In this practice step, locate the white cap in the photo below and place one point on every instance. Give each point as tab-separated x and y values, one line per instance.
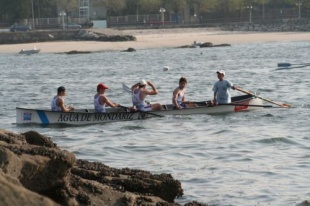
142	82
221	72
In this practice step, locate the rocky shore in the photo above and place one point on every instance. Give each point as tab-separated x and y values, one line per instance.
285	25
152	38
59	35
35	171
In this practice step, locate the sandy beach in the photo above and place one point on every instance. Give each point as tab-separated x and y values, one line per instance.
155	38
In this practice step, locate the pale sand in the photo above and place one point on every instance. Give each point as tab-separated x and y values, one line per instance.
165	38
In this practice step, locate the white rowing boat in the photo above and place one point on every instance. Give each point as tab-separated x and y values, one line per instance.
88	116
29	51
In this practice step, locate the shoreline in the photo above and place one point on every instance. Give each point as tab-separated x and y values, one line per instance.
159	38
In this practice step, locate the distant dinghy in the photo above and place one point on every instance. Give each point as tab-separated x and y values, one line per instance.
29	51
166	68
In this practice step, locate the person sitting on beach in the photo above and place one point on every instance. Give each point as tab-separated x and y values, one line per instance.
58	102
221	89
101	101
139	93
178	97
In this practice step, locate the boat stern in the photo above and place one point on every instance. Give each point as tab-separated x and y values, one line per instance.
245	105
29	116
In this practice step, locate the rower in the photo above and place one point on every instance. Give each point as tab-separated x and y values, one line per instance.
178	96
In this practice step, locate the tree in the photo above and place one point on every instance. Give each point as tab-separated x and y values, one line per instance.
114	7
176	6
208	5
15	10
263	4
149	6
66	5
44	8
304	3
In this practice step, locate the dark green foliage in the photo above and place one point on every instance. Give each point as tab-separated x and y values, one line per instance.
14	10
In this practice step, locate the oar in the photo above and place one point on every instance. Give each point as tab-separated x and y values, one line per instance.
294	67
289	64
126	88
267	100
250	105
128	108
206	103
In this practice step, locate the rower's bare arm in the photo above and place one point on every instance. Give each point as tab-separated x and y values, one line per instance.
175	97
61	104
108	102
154	90
135	86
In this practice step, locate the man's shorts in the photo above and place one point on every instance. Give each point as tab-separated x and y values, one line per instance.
147	108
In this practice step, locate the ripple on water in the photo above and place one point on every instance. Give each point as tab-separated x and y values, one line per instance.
270	141
133	127
305	106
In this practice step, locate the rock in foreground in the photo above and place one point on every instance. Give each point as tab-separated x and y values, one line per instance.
34	171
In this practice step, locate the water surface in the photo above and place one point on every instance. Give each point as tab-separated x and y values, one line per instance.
249	158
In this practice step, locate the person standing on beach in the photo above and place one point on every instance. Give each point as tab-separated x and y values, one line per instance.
101	101
221	89
178	97
58	102
139	93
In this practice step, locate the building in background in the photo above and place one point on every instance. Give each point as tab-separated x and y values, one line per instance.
84	9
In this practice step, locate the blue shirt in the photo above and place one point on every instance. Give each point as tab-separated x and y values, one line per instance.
222	88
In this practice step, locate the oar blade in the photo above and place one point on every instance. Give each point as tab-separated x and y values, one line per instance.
126	88
289	64
284	64
286	105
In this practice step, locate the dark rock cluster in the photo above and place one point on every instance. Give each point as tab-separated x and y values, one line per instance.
34	171
85	35
204	45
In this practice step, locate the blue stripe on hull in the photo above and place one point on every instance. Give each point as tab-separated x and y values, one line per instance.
43	117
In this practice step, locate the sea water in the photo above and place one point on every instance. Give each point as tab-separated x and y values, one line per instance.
248	158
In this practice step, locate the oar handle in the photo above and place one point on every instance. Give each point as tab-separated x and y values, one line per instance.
203	103
244	91
129	109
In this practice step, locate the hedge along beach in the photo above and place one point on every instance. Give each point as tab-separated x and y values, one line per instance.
160	38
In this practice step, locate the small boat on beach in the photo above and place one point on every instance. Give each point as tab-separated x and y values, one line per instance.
88	116
196	44
29	51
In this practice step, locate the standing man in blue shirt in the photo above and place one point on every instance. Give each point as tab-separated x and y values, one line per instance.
221	89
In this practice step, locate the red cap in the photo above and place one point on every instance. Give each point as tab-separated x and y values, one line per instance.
101	86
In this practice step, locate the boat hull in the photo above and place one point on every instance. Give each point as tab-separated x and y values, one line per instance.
88	116
28	52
